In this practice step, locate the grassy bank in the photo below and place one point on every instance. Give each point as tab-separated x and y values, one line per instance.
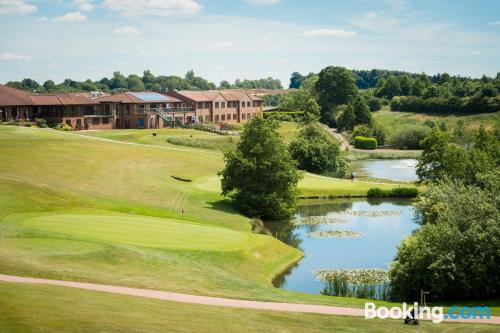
45	309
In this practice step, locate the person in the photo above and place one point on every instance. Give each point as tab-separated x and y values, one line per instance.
352	176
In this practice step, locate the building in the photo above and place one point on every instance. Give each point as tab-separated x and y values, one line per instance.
225	106
84	111
146	110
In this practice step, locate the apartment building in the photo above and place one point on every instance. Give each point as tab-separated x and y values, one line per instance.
84	111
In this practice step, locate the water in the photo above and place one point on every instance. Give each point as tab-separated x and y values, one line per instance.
397	170
375	249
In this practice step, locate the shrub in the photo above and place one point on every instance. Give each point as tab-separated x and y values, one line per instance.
40	122
398	192
63	127
374	103
365	143
409	137
317	151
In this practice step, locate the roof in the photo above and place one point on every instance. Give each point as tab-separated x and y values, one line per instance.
138	98
13	97
198	96
62	99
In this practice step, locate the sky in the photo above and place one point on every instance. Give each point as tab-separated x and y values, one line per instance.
246	39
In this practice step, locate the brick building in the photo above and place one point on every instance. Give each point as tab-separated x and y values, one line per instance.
129	109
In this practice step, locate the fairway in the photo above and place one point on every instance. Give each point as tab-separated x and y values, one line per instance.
141	231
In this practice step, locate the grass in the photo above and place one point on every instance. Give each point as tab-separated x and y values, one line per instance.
390	120
170	137
76	208
37	308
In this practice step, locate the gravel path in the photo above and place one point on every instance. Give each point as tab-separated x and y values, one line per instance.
206	300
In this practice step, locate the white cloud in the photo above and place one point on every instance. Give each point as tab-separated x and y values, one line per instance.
328	33
139	8
16	7
126	31
71	18
263	2
494	23
84	5
42	19
14	57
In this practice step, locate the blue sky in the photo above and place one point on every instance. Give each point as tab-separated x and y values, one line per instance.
229	39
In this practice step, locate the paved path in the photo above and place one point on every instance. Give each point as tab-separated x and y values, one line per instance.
206	300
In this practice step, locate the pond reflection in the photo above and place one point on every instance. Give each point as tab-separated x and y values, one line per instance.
382	222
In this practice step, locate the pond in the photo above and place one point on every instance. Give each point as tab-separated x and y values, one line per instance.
396	170
381	224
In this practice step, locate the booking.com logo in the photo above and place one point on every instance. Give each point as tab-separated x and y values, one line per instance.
435	313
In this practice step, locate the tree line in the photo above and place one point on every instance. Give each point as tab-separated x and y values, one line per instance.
147	82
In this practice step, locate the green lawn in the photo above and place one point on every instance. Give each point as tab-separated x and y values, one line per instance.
35	308
77	208
171	137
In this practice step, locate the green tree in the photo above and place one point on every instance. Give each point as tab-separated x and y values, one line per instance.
335	86
301	100
260	175
361	110
346	118
49	86
455	253
316	151
134	83
224	84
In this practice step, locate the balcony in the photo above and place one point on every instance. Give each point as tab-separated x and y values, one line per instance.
97	113
167	110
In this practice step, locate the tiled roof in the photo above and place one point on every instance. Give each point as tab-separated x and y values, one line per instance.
197	96
62	99
13	97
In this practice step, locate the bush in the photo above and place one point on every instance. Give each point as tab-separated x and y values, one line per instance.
374	103
409	137
63	127
317	151
365	143
398	192
40	122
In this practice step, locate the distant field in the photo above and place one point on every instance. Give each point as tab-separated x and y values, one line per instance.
392	120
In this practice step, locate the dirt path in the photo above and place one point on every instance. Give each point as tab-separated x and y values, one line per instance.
206	300
345	145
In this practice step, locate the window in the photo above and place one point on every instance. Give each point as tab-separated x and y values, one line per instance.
242	116
105	121
248	104
248	116
95	121
216	105
223	117
200	105
235	116
242	104
140	122
217	118
107	108
68	122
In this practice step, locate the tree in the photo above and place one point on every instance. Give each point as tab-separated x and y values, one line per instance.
118	81
224	84
335	86
455	253
296	80
316	151
361	110
260	175
301	100
346	118
134	83
148	79
29	84
49	86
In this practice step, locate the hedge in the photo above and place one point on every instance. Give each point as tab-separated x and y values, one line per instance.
365	143
398	192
